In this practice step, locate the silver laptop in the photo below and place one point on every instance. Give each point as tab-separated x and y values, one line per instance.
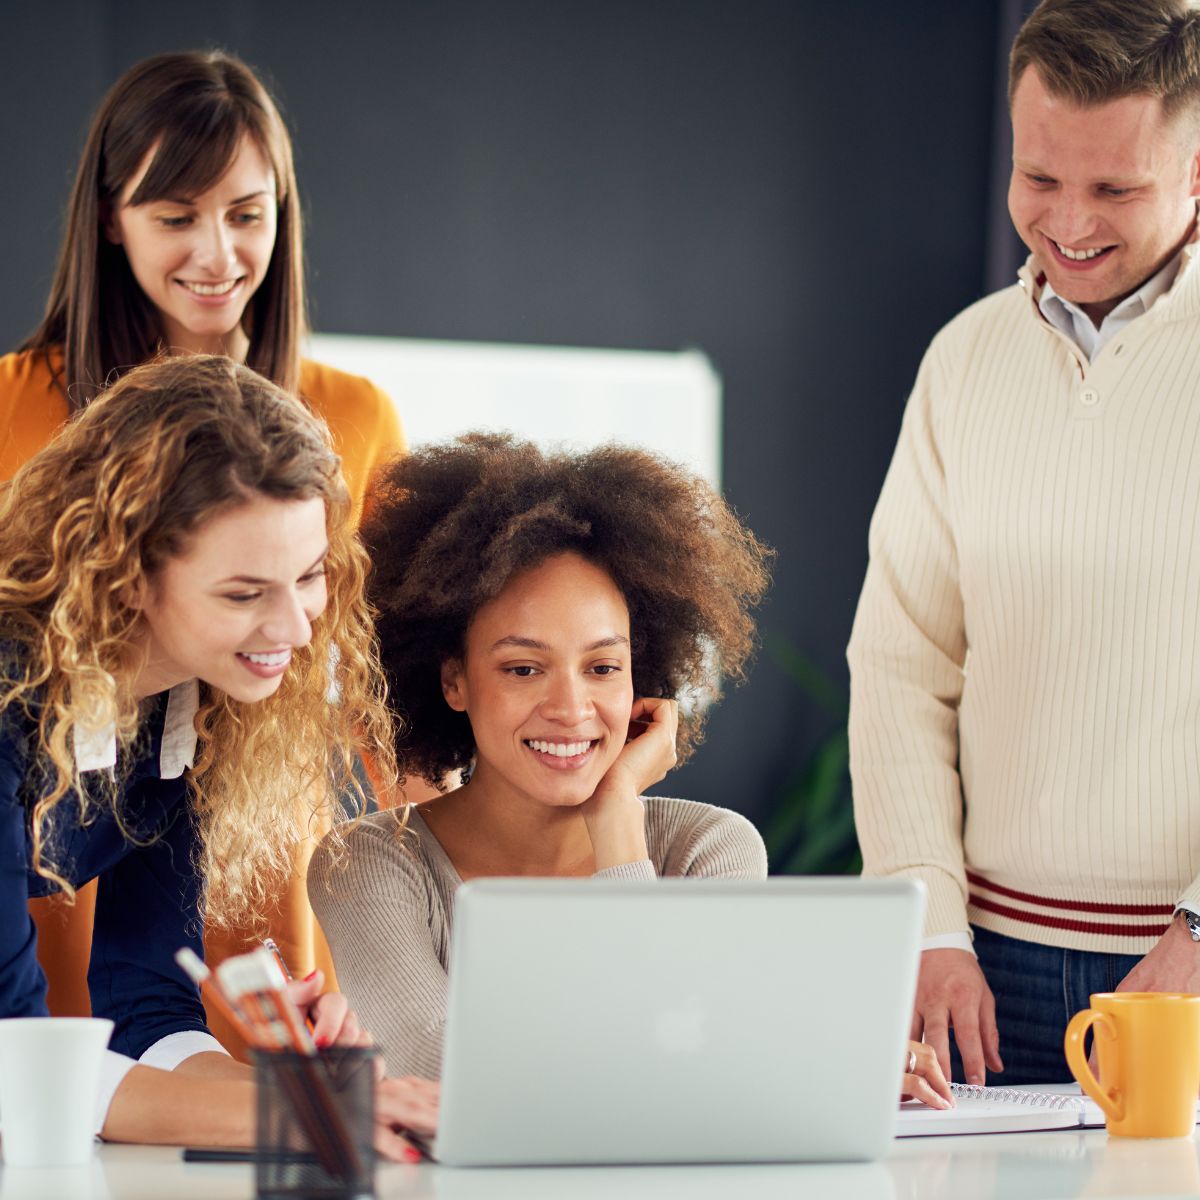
677	1021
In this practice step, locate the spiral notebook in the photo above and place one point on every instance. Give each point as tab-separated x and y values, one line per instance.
1001	1110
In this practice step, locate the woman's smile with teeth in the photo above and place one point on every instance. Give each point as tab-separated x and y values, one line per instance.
559	749
276	658
211	289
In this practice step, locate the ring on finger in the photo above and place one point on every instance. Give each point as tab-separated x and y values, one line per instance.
911	1065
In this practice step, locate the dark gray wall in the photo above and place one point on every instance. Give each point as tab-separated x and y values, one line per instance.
798	188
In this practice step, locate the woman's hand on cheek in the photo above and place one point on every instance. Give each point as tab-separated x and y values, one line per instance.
649	754
334	1021
614	814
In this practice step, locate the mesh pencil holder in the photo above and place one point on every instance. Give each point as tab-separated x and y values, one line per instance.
315	1124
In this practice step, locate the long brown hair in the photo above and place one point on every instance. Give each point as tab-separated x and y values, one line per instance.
196	108
87	523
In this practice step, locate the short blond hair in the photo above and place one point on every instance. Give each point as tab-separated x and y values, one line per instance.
1094	51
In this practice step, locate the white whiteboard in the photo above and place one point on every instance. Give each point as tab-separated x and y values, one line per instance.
554	396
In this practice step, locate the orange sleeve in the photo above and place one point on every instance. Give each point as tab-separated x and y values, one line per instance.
366	427
32	408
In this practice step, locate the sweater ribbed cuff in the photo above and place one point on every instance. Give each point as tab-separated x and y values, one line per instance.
642	869
946	907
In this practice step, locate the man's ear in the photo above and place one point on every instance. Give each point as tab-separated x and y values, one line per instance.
454	684
1190	128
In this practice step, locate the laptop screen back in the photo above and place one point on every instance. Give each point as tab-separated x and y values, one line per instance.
676	1021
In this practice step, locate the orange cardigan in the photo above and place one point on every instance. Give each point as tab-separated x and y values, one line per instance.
366	431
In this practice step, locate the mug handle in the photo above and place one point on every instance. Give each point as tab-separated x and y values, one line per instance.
1112	1102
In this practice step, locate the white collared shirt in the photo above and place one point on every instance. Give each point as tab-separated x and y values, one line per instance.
1070	319
96	749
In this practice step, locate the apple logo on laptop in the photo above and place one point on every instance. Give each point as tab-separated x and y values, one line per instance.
680	1029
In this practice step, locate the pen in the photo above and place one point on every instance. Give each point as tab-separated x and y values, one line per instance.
242	1154
222	1154
423	1148
270	944
277	954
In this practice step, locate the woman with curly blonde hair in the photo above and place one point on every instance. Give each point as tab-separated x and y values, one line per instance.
184	650
540	617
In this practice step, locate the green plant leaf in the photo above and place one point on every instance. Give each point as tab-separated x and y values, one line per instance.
829	777
815	683
833	841
810	828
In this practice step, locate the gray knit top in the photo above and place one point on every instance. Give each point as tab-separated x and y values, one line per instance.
387	909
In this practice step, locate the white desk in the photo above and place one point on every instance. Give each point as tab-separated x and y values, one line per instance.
1029	1166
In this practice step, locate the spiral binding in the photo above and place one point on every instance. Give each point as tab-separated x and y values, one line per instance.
1008	1095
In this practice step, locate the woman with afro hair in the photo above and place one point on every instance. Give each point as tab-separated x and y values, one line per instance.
539	618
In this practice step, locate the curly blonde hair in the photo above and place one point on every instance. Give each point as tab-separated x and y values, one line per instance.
88	522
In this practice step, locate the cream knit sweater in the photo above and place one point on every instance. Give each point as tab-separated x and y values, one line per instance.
1025	714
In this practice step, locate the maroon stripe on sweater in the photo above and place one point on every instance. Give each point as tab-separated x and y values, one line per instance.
1105	928
1126	910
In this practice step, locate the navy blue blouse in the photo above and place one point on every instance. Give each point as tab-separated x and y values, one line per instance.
147	900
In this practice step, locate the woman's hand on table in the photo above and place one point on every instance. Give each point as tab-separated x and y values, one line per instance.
401	1105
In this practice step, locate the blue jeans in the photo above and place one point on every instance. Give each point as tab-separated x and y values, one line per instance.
1038	989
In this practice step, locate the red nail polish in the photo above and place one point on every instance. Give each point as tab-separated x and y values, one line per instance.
322	1041
411	1155
310	975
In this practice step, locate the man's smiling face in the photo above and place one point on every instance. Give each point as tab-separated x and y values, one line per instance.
1104	194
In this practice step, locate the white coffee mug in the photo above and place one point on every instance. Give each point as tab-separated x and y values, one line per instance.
49	1077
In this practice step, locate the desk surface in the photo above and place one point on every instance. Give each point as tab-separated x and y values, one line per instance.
1032	1166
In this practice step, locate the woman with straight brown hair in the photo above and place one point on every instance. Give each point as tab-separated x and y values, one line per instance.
183	235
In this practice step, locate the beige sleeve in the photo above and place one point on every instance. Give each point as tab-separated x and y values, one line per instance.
907	653
373	903
702	841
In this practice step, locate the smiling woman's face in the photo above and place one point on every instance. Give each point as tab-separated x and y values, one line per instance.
241	597
547	683
199	259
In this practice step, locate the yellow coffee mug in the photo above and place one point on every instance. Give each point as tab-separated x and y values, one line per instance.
1148	1047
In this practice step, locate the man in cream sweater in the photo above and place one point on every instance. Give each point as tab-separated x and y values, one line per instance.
1025	717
